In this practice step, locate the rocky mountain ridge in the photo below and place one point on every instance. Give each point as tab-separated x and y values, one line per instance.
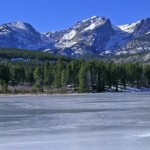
96	35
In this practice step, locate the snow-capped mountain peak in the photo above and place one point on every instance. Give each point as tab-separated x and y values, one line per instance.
19	25
95	22
92	18
21	35
85	32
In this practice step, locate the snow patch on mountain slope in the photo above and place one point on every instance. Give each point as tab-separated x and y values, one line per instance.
4	31
66	44
67	40
148	32
130	28
95	24
69	35
91	27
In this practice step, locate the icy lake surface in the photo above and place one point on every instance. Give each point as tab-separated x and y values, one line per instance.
75	122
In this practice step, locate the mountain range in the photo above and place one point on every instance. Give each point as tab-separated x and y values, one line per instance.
96	35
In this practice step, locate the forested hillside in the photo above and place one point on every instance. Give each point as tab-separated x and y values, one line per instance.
28	55
59	74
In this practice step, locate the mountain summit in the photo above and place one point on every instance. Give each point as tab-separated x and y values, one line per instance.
96	35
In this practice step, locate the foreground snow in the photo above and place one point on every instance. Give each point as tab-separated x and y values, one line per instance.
130	89
75	122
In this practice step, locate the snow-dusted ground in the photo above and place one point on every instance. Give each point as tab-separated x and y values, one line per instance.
75	122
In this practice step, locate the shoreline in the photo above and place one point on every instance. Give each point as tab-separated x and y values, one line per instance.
71	94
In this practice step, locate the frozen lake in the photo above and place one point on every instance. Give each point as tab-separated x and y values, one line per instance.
75	122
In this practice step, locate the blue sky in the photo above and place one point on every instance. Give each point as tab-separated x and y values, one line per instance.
51	15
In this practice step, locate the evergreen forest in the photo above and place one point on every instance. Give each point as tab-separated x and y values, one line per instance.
38	72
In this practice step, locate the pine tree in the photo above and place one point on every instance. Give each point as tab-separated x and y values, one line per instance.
64	78
83	79
39	78
48	79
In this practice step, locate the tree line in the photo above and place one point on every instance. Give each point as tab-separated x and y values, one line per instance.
30	55
78	75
